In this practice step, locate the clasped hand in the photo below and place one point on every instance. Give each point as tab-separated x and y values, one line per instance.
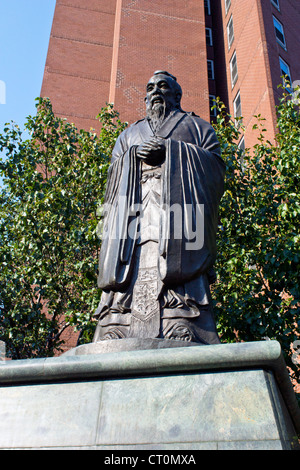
153	151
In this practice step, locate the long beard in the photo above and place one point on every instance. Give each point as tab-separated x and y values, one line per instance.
156	115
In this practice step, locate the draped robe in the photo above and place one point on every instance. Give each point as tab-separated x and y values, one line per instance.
192	179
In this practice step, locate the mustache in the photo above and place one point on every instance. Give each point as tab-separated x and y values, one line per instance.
157	98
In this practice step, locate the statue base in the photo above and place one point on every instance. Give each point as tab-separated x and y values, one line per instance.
127	344
229	396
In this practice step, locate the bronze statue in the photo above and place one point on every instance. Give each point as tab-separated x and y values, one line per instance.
156	262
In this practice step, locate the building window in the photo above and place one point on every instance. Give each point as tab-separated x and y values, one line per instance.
237	108
285	73
242	148
233	70
209	38
230	32
213	112
241	144
279	31
227	5
207	7
276	4
210	69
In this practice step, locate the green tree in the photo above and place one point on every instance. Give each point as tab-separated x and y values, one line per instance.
257	295
53	184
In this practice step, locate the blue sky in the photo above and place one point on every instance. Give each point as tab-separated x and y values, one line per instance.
25	27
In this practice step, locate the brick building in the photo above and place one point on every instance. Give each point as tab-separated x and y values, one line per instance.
261	44
104	51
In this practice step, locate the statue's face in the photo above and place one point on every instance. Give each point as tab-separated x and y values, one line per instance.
161	91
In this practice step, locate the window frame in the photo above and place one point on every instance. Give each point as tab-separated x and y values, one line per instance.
236	117
275	20
227	6
210	35
207	7
213	112
289	75
242	148
230	37
212	69
233	79
276	4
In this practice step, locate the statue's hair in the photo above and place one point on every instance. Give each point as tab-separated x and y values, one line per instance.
177	86
163	72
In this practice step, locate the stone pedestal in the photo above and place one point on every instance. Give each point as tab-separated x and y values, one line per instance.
235	396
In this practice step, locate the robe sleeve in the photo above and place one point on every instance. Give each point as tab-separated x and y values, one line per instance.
193	185
122	194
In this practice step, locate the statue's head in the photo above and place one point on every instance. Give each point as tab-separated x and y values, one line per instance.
163	91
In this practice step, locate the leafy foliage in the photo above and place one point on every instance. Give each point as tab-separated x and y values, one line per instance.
53	184
258	293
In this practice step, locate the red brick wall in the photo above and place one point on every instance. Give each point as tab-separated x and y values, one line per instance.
78	66
93	58
156	35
